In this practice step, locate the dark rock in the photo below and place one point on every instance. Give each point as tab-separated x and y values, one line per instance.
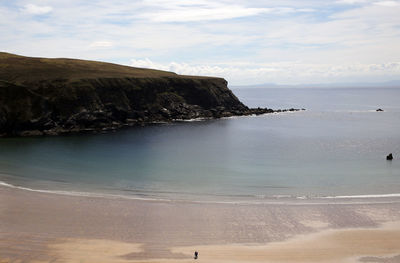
389	157
31	133
379	110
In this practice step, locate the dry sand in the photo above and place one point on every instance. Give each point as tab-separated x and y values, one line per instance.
38	227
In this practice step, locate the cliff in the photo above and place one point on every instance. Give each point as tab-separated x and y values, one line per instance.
41	96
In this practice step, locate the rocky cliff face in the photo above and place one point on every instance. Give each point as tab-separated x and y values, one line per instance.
58	96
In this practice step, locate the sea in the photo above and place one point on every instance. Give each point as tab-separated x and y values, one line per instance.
335	149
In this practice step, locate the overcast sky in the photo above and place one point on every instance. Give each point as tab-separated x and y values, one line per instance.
246	42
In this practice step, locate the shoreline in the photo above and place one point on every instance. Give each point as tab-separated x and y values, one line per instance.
268	200
114	127
43	227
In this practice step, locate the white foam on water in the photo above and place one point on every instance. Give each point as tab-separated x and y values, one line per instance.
289	200
81	194
361	196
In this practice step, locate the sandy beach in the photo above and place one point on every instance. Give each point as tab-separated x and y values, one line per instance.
42	227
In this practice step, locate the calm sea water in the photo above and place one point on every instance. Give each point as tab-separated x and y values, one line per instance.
335	148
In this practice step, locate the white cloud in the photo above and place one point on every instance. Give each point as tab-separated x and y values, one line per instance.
187	13
387	3
351	2
37	10
190	11
306	10
101	44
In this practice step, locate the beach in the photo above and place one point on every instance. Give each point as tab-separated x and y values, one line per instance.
44	227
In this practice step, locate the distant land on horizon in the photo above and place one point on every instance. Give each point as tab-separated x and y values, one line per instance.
386	84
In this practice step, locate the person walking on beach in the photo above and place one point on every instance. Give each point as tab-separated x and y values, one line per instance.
196	255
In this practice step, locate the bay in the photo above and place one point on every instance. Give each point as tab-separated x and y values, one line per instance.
337	147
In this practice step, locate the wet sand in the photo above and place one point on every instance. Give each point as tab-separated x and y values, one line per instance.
40	227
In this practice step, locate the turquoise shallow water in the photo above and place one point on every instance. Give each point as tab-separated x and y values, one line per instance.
335	148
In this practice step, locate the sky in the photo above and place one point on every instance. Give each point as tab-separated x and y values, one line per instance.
245	42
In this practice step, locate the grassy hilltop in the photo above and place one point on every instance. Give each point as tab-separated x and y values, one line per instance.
19	69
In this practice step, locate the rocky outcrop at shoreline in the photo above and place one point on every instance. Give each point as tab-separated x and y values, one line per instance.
61	96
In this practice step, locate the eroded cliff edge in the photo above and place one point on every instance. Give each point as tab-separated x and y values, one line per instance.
41	96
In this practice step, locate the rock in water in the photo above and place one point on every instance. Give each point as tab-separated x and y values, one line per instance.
379	110
389	157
